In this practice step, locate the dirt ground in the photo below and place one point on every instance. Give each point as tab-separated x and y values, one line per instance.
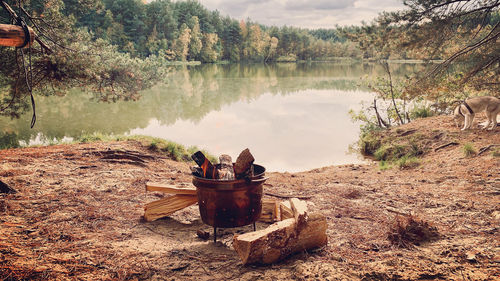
78	216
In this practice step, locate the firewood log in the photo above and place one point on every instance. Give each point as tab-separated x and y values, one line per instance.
270	211
243	165
209	170
285	210
225	168
301	232
13	35
169	189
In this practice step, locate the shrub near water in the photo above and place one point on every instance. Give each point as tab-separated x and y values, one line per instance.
393	149
173	150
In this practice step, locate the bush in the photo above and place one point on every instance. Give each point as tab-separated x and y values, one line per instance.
421	112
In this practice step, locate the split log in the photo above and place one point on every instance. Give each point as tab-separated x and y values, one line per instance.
270	211
13	35
225	168
209	170
169	189
285	210
244	164
167	206
278	241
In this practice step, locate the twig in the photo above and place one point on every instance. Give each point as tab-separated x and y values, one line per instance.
486	148
445	145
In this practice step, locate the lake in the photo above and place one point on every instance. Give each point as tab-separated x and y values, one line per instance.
292	117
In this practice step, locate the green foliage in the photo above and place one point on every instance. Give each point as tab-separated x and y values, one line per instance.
385	165
171	149
462	35
368	144
8	140
94	137
144	29
469	150
287	58
408	162
421	111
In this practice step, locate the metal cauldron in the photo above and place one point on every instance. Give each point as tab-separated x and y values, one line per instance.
230	203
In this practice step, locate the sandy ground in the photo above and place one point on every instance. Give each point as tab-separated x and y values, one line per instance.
78	216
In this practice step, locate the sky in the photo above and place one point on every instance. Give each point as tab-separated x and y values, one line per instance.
304	13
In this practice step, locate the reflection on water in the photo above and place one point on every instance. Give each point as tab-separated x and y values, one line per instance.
292	116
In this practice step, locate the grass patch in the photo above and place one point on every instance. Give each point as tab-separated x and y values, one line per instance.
408	162
496	152
369	143
172	149
393	148
385	165
469	150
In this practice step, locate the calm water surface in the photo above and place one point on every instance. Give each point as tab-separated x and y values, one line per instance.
292	117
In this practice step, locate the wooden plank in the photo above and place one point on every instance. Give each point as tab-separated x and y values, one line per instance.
169	189
13	35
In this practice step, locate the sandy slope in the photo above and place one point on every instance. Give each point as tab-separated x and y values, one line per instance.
77	216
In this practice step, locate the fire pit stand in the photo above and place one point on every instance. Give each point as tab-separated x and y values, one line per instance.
230	203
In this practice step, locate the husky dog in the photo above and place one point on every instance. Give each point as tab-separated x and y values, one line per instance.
468	108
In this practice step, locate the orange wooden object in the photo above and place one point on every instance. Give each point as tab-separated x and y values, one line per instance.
13	35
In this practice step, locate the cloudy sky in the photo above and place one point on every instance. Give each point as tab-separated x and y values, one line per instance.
304	13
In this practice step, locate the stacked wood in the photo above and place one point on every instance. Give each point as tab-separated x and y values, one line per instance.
13	35
181	198
225	170
301	232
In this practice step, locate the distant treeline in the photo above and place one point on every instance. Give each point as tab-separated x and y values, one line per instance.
187	31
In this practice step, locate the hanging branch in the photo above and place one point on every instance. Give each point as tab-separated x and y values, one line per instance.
386	66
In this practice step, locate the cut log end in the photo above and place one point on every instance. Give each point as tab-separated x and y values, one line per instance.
13	35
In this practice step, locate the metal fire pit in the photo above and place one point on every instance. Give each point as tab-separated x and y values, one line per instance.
230	203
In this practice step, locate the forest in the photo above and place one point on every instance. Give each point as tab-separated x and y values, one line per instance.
118	48
186	31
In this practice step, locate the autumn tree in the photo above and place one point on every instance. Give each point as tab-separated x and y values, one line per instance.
181	45
210	52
